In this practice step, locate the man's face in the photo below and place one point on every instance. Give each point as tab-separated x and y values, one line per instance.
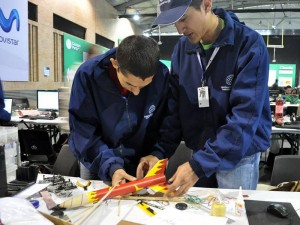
129	81
193	24
288	91
133	83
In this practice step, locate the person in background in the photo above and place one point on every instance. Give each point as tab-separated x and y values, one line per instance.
293	97
116	107
229	128
287	90
92	52
275	85
4	115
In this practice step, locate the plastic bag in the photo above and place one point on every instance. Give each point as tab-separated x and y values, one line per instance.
17	211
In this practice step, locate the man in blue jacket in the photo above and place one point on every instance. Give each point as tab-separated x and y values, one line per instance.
116	107
4	115
219	78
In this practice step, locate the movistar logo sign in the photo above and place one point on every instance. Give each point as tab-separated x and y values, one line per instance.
6	24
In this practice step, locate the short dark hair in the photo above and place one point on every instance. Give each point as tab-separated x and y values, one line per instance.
138	55
196	4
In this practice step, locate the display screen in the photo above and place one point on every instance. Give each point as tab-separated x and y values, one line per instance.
47	100
8	104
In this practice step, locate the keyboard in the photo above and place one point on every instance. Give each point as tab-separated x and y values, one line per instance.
41	117
290	125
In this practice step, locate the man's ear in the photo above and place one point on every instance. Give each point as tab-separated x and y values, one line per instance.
114	63
207	5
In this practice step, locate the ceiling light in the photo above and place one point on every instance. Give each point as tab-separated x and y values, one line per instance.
290	22
136	17
259	23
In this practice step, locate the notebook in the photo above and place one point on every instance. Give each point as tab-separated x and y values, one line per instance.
8	105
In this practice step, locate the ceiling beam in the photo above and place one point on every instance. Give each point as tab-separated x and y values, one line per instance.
128	16
125	5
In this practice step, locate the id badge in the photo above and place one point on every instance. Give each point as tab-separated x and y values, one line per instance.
203	97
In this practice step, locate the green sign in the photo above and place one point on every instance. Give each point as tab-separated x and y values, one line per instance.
285	73
75	53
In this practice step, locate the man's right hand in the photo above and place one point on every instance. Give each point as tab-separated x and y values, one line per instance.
279	121
146	164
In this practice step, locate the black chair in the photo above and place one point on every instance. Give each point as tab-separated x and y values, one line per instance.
272	109
285	169
66	164
182	155
36	147
290	110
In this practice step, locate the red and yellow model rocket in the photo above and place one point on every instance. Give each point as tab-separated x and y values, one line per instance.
155	180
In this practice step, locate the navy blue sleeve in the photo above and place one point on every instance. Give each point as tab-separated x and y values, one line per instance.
4	115
85	135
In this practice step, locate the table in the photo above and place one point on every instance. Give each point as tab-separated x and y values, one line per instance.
113	211
291	135
52	126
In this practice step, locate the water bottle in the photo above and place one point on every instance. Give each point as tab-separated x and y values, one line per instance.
279	107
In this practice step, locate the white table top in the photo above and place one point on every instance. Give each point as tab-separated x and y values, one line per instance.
283	130
56	121
285	104
113	211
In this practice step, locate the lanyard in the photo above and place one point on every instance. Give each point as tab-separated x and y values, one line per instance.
209	62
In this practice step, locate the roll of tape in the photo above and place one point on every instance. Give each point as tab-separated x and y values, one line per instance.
35	203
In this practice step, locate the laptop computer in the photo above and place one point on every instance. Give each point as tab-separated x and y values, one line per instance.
8	105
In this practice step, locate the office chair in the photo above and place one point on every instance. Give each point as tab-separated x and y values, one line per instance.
272	109
66	164
285	169
36	147
290	110
182	155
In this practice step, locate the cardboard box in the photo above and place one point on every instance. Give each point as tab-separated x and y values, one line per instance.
55	220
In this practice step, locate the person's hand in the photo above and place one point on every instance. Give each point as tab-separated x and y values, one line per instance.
181	181
120	177
146	164
279	121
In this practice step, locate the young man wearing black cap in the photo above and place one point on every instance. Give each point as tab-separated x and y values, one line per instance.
227	62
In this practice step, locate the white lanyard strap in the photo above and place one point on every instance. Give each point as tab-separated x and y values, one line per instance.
211	58
209	62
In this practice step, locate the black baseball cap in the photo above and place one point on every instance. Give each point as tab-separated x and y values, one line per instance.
171	11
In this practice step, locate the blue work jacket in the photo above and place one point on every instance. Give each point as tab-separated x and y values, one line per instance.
106	127
237	122
4	115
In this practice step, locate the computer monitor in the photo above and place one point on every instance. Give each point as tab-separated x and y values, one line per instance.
20	103
8	105
273	94
47	100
